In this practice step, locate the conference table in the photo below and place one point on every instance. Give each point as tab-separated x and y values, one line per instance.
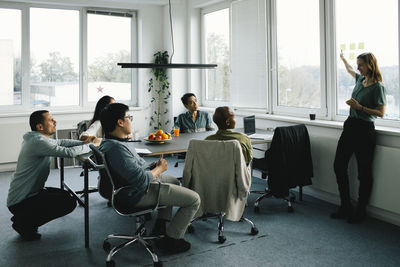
180	144
177	144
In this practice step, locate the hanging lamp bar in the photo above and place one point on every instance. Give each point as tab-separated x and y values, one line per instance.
167	66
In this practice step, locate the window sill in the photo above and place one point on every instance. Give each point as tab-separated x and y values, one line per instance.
77	110
384	130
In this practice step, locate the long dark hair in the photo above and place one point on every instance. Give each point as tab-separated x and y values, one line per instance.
101	104
372	65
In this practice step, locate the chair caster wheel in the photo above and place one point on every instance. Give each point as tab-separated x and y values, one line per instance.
190	229
110	263
254	231
221	239
290	209
106	246
257	209
157	264
292	199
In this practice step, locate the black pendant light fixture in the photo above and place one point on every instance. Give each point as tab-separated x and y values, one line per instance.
169	65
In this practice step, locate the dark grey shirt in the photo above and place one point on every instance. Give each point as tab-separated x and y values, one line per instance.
127	169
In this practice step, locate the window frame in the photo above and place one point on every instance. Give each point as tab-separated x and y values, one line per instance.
204	11
24	59
84	104
321	112
328	64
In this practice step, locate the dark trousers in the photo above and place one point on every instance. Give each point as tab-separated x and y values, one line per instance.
358	137
35	211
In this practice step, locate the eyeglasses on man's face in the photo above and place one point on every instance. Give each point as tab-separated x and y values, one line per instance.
130	117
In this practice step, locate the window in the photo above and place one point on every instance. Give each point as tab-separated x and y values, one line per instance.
216	35
10	57
64	56
54	77
353	37
234	38
107	47
298	54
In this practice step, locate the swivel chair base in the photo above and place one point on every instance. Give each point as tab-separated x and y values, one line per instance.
221	217
267	193
138	237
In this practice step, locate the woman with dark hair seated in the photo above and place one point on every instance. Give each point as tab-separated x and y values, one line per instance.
94	128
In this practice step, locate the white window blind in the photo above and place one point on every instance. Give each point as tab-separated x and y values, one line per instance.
248	55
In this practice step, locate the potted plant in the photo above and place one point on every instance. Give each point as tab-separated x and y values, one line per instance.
159	87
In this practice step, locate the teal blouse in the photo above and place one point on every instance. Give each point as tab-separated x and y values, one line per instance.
370	97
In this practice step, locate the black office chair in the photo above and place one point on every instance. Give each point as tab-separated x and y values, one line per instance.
286	164
223	192
100	163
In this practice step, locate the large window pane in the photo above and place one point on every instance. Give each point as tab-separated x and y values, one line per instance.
216	31
353	35
10	57
298	44
54	79
109	42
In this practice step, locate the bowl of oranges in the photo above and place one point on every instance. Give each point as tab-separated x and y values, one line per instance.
159	137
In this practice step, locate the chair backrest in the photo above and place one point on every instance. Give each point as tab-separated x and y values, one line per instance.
105	184
289	159
115	193
217	171
81	127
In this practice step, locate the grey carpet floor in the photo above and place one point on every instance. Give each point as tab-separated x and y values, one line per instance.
307	237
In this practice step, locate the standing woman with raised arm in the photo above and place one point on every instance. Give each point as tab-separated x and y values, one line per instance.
367	102
95	125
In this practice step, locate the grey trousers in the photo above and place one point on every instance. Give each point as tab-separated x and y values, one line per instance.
172	194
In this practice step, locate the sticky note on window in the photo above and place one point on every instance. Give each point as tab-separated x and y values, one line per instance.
352	56
360	45
352	46
343	47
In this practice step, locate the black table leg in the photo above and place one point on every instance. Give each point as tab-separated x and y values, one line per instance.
62	173
86	201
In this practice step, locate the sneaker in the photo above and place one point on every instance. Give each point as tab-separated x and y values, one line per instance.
358	216
27	234
173	245
343	212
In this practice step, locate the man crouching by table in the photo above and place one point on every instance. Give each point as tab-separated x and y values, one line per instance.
29	201
127	168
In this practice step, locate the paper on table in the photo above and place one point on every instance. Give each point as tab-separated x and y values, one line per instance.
261	136
142	151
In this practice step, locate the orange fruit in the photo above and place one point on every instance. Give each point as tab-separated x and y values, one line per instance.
159	132
165	136
158	137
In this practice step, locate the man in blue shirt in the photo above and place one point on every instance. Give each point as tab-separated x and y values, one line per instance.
147	186
29	201
193	120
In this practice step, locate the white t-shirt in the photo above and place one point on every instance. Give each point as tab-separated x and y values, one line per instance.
93	130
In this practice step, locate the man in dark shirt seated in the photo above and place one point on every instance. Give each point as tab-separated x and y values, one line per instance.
193	120
224	118
128	169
